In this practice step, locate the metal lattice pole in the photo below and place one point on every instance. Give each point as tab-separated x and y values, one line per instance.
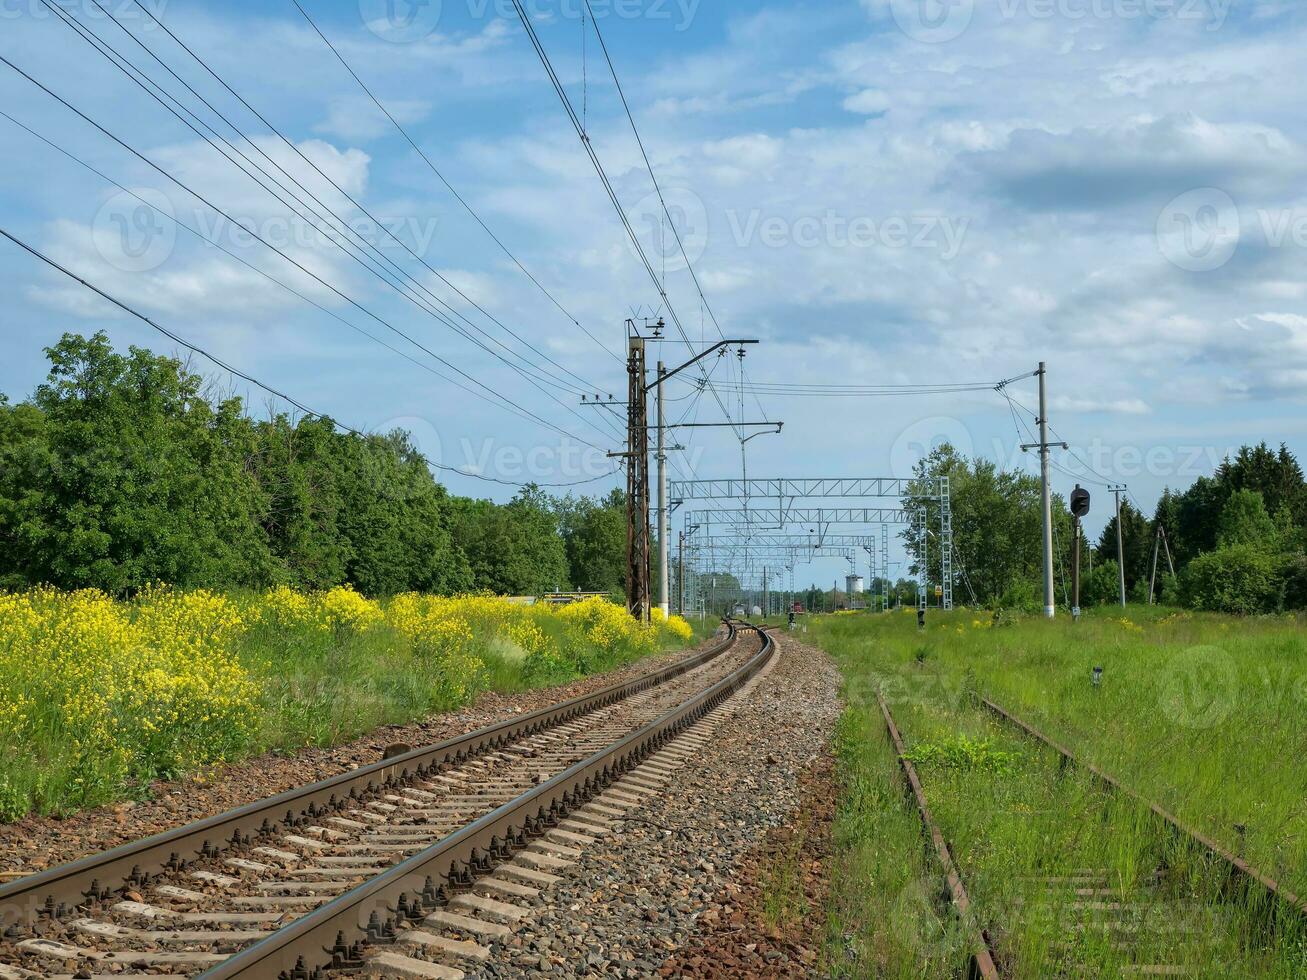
946	541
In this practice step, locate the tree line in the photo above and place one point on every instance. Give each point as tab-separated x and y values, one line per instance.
1232	542
126	469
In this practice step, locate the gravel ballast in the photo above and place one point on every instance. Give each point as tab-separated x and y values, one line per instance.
665	889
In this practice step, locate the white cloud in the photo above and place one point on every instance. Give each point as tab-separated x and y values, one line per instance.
868	102
1105	406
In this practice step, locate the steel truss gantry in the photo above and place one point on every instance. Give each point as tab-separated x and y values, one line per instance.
781	488
917	497
768	518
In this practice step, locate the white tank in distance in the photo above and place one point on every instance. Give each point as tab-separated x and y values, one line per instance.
854	585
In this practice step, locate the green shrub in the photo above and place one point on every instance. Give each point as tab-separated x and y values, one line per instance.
1237	579
1294	574
1103	586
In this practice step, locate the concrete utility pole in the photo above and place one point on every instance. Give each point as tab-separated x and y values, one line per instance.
1120	541
1046	503
1046	491
664	526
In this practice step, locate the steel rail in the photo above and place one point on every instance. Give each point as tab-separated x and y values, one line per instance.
62	888
1236	863
982	960
329	936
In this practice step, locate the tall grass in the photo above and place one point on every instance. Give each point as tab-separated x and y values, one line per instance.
1197	711
99	697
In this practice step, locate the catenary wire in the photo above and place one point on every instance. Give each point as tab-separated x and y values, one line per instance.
254	234
114	57
244	375
448	186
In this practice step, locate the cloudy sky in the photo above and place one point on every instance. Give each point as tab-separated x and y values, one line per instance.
882	192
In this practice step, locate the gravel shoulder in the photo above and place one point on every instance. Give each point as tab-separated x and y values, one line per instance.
36	843
681	887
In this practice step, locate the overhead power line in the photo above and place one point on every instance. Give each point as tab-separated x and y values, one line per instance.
308	160
407	287
242	374
584	137
496	395
448	186
360	248
626	106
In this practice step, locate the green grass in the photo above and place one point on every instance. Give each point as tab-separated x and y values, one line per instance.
1192	710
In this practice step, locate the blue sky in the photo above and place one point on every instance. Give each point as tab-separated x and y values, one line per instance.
883	192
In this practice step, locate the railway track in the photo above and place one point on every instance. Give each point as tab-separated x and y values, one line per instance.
408	867
1199	912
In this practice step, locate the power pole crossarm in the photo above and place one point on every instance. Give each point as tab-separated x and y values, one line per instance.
699	357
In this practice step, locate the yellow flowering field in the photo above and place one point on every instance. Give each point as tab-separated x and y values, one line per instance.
99	696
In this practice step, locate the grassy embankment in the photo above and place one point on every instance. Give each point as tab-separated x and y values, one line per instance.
99	697
1204	714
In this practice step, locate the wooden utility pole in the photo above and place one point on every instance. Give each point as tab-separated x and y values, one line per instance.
637	486
1159	540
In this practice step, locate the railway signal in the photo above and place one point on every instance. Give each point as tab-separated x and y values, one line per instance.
1079	510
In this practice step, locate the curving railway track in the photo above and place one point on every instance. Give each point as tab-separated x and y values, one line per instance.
407	867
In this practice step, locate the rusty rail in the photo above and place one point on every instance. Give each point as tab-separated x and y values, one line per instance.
67	886
327	935
982	960
1241	867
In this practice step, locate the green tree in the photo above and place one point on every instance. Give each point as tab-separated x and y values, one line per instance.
1102	587
515	548
1244	521
594	535
131	476
997	529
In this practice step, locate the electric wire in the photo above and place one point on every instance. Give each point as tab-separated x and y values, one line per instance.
263	241
371	254
244	375
649	166
291	145
448	186
245	262
115	57
561	91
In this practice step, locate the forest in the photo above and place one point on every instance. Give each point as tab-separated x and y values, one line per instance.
124	470
1234	542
